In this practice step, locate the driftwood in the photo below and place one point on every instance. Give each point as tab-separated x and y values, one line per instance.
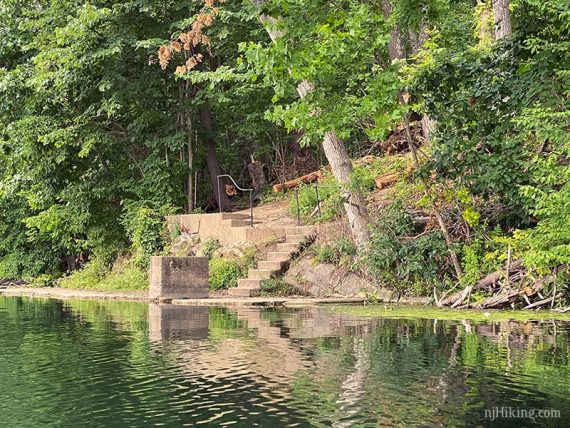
487	283
509	297
5	283
544	301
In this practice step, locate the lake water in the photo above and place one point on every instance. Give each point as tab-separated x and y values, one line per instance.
120	364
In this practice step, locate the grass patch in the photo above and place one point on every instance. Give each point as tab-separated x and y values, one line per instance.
124	276
277	287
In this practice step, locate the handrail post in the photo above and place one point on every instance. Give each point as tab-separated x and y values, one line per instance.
251	206
219	196
318	199
298	208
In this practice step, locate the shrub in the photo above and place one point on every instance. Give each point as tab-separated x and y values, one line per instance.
209	247
342	249
397	258
250	257
224	273
124	275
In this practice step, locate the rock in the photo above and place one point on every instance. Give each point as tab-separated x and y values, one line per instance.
186	245
326	280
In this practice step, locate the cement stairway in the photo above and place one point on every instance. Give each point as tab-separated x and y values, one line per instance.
276	262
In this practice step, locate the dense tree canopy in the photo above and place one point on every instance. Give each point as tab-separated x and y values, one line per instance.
112	112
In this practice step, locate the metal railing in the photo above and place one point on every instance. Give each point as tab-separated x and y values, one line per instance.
241	190
318	208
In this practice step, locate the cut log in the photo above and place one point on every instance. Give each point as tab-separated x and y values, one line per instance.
291	184
317	175
386	180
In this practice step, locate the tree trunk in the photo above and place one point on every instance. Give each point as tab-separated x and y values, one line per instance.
335	151
185	124
354	201
395	47
257	175
502	15
212	159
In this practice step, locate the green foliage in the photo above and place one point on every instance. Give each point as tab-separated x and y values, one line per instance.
547	195
88	129
342	47
341	252
146	230
124	276
277	287
398	258
224	273
329	195
209	247
482	256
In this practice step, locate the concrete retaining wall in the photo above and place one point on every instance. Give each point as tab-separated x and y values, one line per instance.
222	227
178	278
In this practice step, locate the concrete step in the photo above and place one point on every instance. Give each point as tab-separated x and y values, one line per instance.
300	230
276	266
260	274
239	222
244	292
295	239
249	283
234	216
278	256
287	247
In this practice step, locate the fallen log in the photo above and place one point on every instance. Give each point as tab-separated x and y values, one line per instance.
511	296
543	301
486	283
291	184
490	280
317	175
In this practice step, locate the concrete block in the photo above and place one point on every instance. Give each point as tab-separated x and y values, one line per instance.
287	247
276	266
178	278
295	239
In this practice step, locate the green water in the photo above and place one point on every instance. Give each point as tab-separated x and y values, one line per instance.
118	364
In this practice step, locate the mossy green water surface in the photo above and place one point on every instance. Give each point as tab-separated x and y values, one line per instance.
115	364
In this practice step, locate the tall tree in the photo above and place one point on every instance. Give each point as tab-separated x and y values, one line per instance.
335	151
502	14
